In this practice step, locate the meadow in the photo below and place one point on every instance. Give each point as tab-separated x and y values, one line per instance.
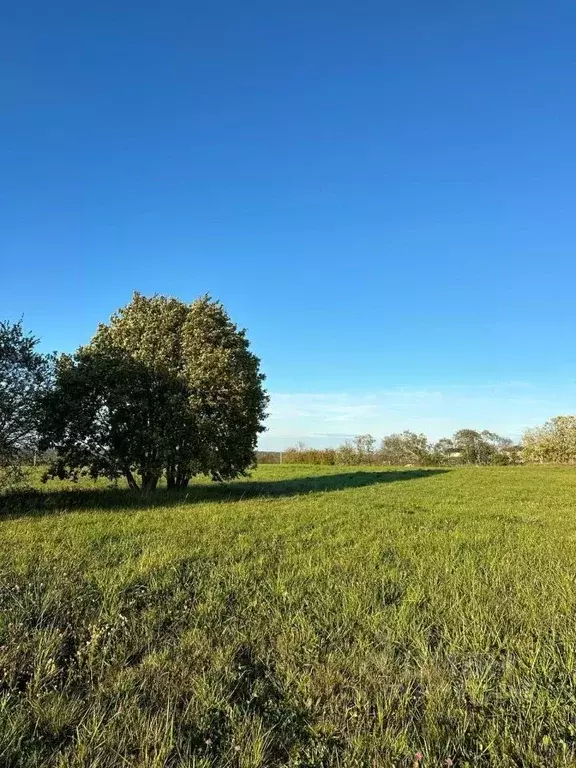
307	616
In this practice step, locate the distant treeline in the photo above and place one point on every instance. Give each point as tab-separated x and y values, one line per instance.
467	446
552	443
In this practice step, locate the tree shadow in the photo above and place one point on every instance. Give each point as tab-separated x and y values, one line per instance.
50	499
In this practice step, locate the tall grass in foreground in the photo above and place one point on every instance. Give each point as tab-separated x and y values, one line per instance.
307	617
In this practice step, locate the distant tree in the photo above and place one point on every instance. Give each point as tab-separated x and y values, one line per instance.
512	454
502	459
473	447
484	447
405	448
554	441
346	453
25	374
497	441
505	451
364	446
164	387
444	451
359	450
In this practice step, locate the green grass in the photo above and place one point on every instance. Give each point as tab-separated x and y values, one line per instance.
308	617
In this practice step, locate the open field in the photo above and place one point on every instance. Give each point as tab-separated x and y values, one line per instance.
309	617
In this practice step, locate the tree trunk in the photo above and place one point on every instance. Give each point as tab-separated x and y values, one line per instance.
132	484
182	478
149	481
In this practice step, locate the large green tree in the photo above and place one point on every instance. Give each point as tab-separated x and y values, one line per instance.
164	387
25	374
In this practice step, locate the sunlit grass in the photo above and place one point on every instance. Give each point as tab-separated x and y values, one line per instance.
307	617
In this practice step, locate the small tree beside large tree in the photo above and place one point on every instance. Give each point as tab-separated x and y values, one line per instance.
25	374
164	387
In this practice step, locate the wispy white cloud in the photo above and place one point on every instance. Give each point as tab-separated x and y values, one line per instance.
330	417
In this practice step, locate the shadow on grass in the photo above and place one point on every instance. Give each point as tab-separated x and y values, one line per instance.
50	498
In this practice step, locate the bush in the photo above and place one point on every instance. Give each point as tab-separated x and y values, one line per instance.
309	456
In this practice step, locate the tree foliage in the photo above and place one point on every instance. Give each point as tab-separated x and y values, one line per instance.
554	441
301	454
480	447
24	375
405	448
164	387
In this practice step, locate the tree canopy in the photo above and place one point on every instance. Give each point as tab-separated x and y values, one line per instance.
24	375
554	441
164	387
405	448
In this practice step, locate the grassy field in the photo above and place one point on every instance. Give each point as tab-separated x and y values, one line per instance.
308	617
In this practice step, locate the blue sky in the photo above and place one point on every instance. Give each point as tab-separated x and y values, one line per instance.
383	193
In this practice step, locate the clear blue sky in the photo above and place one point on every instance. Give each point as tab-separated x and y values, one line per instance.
383	193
